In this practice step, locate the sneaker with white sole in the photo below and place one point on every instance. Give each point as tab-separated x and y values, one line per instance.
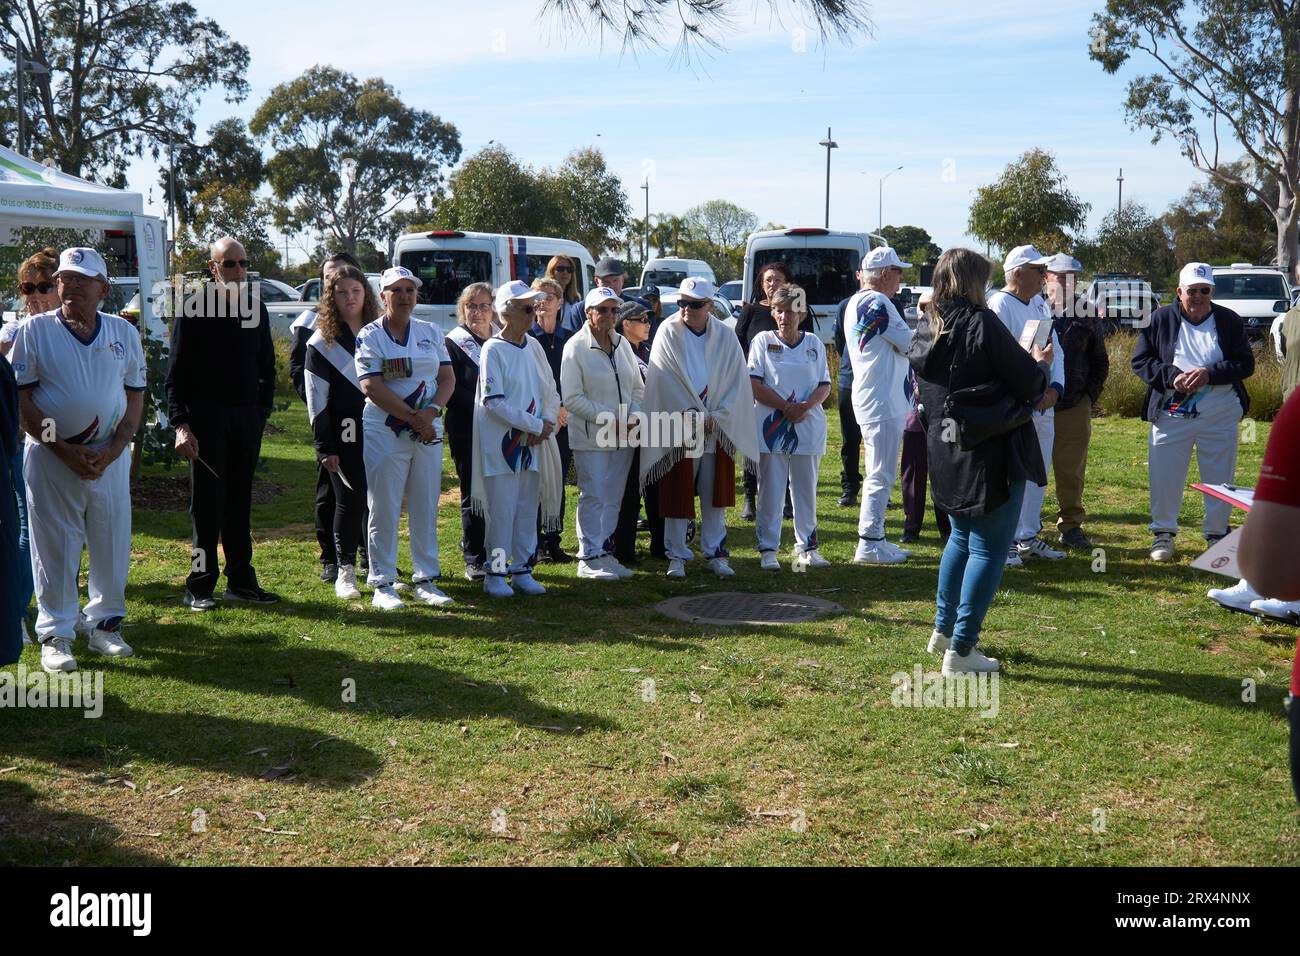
812	559
1013	557
611	563
1285	611
495	585
594	570
1239	597
721	568
526	584
939	642
1036	547
768	562
345	585
876	552
426	592
386	598
106	639
676	568
1162	548
56	655
973	663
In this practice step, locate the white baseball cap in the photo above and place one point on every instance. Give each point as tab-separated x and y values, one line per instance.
697	287
1195	273
600	294
883	257
83	261
1024	256
1061	263
516	291
396	274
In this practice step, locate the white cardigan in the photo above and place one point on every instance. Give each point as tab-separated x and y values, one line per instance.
594	383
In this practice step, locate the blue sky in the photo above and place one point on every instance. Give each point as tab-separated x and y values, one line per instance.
952	91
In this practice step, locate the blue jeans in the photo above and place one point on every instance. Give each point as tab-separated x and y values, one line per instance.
25	585
971	569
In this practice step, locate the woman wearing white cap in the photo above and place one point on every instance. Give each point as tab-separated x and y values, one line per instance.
790	379
405	373
1193	356
601	387
515	456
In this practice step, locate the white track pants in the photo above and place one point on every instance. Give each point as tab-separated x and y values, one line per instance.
396	466
774	471
713	521
510	525
66	514
1031	509
882	442
602	476
1169	455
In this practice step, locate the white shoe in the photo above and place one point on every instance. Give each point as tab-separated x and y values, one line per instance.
611	563
594	570
938	643
386	598
106	639
876	552
495	585
973	663
676	568
56	655
426	592
1240	597
768	562
1162	549
901	553
721	568
400	586
1286	611
813	559
1013	558
345	585
526	584
1036	547
27	638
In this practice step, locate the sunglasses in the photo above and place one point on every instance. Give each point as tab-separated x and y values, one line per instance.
694	303
604	309
31	288
563	269
231	263
1198	291
639	319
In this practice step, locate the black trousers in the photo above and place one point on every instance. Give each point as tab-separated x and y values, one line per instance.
326	507
472	526
348	519
628	512
850	444
230	440
915	473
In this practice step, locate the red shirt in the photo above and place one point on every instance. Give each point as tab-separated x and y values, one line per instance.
1279	477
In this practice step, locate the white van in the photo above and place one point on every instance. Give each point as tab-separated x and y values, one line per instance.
448	260
669	273
823	262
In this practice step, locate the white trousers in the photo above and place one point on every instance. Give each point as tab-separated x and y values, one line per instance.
64	515
1031	509
510	525
1213	433
882	442
774	471
713	521
396	466
602	476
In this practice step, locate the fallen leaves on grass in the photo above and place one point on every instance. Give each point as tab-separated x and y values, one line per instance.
277	771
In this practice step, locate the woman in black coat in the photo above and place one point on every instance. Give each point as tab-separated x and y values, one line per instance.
960	344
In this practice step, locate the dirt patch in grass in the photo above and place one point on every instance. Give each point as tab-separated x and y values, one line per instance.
172	492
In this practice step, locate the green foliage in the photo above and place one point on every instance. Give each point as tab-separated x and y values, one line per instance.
597	821
229	158
1129	240
716	232
1030	203
1221	223
913	245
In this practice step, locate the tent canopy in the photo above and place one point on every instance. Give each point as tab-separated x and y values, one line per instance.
33	194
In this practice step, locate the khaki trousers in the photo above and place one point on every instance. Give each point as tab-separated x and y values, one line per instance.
1070	461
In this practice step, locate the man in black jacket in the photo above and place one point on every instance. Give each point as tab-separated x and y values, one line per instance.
1193	356
220	384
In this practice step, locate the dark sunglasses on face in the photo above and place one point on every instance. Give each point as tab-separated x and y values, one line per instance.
563	269
231	263
639	319
1205	291
694	303
604	309
30	288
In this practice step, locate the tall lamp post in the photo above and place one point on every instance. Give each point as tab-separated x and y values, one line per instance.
24	65
880	199
645	224
829	144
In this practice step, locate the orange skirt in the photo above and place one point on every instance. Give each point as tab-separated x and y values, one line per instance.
677	488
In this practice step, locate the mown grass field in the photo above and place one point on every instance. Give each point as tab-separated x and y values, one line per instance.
1122	737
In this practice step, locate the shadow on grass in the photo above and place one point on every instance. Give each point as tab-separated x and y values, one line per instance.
34	833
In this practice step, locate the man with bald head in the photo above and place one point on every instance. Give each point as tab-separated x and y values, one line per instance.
220	383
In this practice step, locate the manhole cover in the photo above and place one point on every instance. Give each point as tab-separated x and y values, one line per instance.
732	607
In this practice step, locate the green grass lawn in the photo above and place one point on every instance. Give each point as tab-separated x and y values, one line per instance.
1122	736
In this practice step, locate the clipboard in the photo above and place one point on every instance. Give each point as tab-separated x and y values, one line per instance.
1238	497
1036	332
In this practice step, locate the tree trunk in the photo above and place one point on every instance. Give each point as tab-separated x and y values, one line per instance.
1287	218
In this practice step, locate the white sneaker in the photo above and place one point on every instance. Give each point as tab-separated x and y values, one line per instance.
1013	557
495	585
56	655
1240	597
400	586
676	568
938	643
1162	549
611	563
876	552
594	570
813	559
1036	547
901	553
345	585
973	663
426	592
27	638
1286	611
386	598
106	639
768	562
526	584
720	567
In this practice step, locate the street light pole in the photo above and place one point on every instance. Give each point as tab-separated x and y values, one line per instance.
22	126
1119	209
645	225
880	200
829	144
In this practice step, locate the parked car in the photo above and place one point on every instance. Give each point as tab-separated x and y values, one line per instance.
731	292
309	291
670	272
1120	300
823	262
912	295
722	309
1259	294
